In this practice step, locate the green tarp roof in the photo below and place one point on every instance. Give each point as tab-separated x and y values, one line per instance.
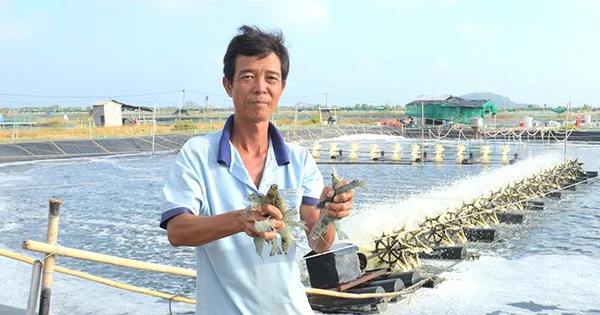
450	108
448	101
490	107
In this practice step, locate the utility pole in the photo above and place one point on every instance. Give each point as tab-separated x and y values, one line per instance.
422	132
567	128
205	107
183	106
153	125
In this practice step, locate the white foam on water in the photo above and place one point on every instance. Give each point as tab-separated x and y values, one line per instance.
495	285
484	286
369	223
10	227
364	137
10	181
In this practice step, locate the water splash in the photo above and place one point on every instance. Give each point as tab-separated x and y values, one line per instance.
388	216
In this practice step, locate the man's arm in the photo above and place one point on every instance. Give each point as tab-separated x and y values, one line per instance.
339	208
191	230
310	215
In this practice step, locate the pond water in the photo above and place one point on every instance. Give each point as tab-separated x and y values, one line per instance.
111	205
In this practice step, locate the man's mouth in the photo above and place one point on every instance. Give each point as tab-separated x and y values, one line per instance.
260	102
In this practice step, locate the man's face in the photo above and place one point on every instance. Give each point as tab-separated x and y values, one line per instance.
256	87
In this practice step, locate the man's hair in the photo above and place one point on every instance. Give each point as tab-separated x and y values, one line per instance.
252	41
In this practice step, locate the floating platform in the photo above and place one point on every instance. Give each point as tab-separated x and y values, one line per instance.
380	281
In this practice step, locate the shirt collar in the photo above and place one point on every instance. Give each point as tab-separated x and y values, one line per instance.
224	154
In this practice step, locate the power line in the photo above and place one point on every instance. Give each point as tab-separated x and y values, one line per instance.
205	93
89	96
304	96
60	98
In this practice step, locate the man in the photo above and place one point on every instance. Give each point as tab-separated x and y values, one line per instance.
205	195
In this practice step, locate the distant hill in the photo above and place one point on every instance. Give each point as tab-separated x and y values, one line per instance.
191	104
499	100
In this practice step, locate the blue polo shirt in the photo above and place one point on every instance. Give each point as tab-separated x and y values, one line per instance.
207	178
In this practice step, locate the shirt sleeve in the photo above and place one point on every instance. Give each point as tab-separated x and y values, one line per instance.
182	191
312	180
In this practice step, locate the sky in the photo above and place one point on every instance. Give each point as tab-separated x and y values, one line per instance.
342	52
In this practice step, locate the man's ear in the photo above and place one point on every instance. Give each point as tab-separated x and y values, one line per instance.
283	86
227	86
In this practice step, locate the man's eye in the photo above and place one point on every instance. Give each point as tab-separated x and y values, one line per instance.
273	79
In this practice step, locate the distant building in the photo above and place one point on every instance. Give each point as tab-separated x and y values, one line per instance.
181	111
110	113
331	111
438	109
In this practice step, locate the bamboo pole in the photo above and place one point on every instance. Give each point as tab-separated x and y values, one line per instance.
101	280
346	295
49	260
83	275
107	259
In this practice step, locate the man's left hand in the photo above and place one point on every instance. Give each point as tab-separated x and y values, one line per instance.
342	203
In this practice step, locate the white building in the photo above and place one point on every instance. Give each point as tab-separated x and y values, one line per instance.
110	113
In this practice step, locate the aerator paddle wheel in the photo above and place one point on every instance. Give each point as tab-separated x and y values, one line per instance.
402	248
434	231
387	249
453	228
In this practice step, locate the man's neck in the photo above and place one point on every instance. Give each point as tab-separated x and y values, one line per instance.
251	138
252	143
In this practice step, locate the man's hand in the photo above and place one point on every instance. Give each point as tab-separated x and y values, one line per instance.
342	203
266	212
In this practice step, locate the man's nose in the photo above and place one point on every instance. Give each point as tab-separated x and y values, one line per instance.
260	86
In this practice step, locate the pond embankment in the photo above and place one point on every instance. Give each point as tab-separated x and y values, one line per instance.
62	149
78	148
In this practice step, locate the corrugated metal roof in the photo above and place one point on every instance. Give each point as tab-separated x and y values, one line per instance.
100	102
451	101
133	107
123	105
441	97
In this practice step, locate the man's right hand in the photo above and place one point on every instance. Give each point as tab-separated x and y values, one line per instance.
267	211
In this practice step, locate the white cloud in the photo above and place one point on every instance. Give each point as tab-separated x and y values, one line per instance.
478	32
11	31
19	27
310	15
307	15
15	31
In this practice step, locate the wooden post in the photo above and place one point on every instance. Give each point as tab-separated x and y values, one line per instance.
51	238
34	287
